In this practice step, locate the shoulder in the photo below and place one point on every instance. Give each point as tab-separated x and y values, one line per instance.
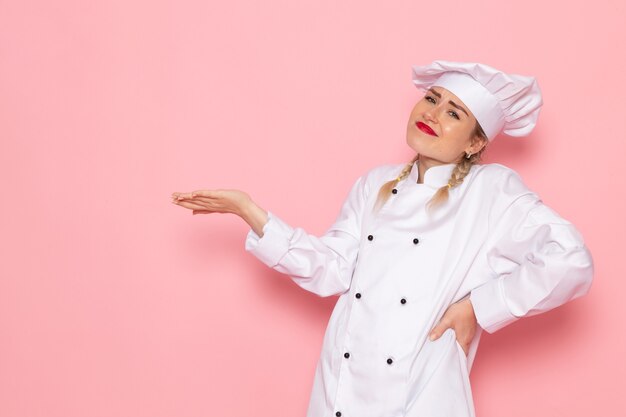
495	171
502	180
375	177
505	192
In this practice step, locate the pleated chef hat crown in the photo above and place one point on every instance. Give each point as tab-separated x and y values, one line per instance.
501	102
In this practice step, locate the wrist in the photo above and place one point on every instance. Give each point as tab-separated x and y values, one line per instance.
470	307
245	209
254	215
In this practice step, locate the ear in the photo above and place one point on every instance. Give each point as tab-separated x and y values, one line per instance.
477	143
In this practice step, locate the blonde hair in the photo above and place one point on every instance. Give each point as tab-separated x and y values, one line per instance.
459	172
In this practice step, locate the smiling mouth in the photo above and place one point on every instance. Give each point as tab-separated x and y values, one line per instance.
424	128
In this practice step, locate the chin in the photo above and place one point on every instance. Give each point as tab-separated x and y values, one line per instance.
415	144
416	149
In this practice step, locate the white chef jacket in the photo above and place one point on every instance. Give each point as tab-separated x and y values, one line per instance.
396	273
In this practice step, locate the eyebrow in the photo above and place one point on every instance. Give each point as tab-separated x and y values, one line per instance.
451	102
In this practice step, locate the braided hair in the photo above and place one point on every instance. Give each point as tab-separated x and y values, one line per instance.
459	172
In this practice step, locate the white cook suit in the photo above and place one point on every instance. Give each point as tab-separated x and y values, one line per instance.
398	271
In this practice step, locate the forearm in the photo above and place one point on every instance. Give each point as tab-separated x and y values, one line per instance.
543	282
320	264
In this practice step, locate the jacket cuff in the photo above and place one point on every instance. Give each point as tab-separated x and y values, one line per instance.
490	307
274	244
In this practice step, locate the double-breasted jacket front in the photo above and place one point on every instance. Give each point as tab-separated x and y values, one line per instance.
398	270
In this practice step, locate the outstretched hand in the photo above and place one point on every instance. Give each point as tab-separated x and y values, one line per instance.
460	317
213	201
224	201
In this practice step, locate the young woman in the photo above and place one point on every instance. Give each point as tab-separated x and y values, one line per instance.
425	255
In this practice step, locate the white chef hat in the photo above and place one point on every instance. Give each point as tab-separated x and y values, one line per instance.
501	102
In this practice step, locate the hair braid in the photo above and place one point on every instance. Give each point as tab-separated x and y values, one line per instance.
459	173
385	190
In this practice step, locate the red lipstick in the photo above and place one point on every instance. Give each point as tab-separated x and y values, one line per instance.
425	128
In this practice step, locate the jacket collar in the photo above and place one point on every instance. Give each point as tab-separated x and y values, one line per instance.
436	176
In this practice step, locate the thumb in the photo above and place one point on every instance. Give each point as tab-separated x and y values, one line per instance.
437	331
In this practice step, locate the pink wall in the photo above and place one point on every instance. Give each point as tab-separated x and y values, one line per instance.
115	302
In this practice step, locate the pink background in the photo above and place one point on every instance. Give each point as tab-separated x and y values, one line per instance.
115	302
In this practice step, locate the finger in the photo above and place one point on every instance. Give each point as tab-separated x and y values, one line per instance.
204	193
209	200
437	331
190	205
202	212
204	202
183	196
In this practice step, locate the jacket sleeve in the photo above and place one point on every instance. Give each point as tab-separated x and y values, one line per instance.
539	261
322	265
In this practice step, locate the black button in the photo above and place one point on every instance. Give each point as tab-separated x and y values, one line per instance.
338	413
416	241
357	295
370	237
346	355
394	191
389	361
403	301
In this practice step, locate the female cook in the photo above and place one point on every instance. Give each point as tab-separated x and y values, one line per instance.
442	246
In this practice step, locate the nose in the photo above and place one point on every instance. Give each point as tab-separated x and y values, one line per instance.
430	114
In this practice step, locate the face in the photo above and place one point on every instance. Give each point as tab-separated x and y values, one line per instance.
450	120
